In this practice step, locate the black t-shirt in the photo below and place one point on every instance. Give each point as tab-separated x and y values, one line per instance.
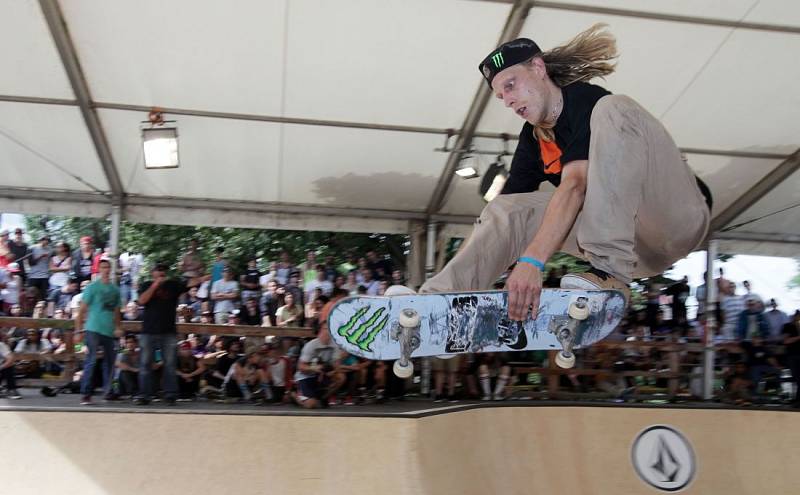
160	310
82	265
269	305
533	164
20	251
225	362
382	264
679	292
792	330
248	318
252	276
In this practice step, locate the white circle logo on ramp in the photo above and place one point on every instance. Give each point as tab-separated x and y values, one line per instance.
663	458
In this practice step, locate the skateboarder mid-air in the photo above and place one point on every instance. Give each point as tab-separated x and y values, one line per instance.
625	200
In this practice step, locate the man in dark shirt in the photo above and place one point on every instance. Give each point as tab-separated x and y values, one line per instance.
680	292
249	280
20	248
159	297
791	339
624	200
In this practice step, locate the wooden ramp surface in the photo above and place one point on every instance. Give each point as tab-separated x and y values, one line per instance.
507	450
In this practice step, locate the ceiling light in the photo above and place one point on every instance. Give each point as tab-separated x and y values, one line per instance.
466	169
494	180
160	142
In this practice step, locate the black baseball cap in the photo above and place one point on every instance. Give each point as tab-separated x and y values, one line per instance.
506	55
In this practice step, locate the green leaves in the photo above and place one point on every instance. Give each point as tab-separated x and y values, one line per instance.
168	242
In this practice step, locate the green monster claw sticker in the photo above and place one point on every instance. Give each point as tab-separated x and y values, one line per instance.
363	335
497	58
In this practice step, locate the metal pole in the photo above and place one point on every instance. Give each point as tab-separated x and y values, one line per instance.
430	254
711	322
116	214
69	59
430	268
514	24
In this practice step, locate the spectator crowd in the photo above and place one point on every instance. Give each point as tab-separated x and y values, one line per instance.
758	341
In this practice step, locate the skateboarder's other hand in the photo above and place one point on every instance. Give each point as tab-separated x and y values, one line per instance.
524	287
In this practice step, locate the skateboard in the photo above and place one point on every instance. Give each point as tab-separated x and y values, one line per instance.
402	327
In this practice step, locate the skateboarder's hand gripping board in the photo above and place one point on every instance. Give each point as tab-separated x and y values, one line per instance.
524	285
524	289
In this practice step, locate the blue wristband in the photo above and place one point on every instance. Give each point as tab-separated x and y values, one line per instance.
533	261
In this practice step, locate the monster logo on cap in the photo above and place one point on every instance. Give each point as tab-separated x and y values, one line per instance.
506	55
497	58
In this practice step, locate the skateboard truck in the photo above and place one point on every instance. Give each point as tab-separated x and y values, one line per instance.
565	330
407	333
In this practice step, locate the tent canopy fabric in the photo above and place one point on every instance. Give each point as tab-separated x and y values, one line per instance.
313	114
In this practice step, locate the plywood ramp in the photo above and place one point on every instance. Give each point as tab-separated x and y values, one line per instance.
504	450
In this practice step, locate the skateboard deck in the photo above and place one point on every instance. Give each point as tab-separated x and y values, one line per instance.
468	322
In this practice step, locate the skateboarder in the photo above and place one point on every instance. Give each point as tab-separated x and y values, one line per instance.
624	200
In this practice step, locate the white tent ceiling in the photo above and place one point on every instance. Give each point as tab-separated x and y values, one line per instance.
324	114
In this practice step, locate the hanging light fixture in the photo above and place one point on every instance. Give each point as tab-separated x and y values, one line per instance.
159	141
493	180
467	168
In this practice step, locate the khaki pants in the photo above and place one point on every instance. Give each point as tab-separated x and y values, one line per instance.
642	211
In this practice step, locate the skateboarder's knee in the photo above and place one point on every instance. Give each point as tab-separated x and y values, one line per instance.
611	106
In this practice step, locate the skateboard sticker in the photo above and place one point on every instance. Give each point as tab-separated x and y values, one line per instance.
363	327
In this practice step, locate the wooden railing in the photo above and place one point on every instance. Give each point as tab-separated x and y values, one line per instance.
674	371
69	357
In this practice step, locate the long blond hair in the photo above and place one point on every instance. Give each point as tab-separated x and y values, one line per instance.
588	55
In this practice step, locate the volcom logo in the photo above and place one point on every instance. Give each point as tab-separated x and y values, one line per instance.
663	458
497	58
363	335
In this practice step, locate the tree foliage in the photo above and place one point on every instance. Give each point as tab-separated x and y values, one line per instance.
794	283
168	242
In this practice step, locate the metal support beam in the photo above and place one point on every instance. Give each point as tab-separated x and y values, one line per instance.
53	195
735	153
755	193
415	267
293	120
37	100
69	58
757	237
116	217
226	205
350	125
658	16
430	252
514	23
430	269
711	323
290	208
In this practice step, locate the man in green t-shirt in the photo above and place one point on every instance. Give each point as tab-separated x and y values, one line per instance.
99	314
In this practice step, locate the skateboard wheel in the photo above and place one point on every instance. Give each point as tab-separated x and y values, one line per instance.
446	356
408	318
403	371
565	360
579	311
